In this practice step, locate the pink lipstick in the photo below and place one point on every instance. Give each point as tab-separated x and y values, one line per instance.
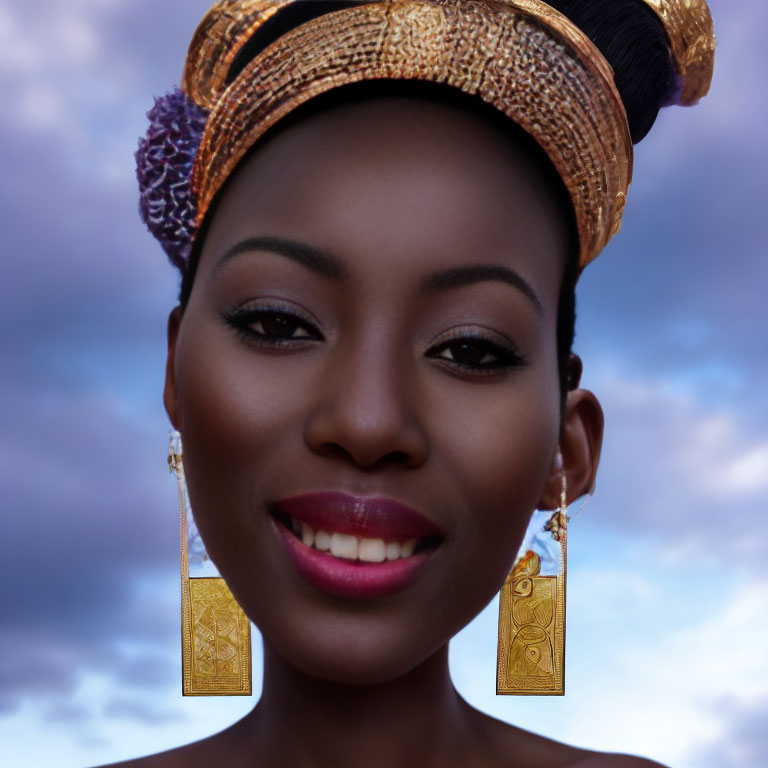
362	516
353	546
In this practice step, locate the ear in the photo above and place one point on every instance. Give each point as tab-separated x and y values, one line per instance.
170	391
581	440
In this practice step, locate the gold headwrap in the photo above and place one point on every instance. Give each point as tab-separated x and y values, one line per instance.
521	56
691	35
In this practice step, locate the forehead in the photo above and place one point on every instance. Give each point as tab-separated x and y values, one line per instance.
402	186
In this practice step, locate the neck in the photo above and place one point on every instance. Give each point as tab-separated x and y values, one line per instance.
416	719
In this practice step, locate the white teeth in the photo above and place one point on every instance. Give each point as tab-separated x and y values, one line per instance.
344	545
372	550
350	547
322	541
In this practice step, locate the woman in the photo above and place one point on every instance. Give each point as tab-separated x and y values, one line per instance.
371	362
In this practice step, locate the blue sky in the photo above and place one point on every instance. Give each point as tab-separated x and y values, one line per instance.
668	585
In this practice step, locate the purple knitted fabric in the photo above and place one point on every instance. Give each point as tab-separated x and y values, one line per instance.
164	163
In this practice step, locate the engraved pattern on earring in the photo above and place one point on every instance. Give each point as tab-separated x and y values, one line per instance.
531	640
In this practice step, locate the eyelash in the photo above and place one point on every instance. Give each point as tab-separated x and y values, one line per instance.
507	357
243	320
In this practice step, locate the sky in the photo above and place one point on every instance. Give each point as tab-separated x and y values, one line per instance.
668	585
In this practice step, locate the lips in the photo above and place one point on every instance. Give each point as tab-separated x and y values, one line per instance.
352	546
361	516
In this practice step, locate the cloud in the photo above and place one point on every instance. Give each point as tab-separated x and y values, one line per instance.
89	512
744	741
39	668
141	712
71	74
68	713
672	683
147	670
747	472
688	476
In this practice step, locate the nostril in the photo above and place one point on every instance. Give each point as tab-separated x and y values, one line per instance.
334	450
367	459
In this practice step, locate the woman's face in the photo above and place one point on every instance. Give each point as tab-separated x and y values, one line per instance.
399	343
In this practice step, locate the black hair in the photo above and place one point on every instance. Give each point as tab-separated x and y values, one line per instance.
632	38
627	32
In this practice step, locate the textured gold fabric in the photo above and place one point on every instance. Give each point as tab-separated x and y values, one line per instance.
521	56
691	35
219	36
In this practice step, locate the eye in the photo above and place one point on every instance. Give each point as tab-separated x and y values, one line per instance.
477	353
278	325
272	326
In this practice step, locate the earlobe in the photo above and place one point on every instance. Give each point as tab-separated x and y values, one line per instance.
170	391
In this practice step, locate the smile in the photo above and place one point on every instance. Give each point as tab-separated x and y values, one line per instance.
349	547
355	547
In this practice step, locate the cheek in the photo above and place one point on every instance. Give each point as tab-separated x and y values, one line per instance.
496	454
236	415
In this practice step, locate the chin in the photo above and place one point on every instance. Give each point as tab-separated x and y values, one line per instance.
351	657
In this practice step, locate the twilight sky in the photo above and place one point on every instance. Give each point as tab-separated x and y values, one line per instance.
668	587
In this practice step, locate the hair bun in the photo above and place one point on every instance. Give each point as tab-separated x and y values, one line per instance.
661	51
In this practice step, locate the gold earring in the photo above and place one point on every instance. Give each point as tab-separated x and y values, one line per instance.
531	645
215	632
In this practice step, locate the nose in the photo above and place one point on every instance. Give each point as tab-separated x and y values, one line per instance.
367	412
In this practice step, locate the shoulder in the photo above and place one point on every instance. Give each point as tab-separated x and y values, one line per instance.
190	756
508	745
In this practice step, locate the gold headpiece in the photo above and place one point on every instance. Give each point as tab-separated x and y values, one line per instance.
521	56
691	35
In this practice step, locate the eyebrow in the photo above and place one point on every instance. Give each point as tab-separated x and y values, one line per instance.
329	266
479	273
317	261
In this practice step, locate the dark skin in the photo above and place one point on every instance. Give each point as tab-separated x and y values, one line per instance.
363	382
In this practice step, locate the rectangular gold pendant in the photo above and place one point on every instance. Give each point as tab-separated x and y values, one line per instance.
531	645
215	640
